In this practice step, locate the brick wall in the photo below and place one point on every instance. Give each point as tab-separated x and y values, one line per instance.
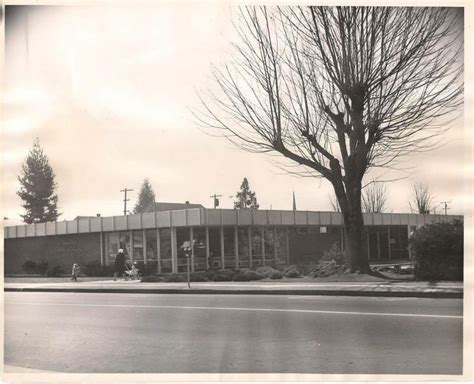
62	250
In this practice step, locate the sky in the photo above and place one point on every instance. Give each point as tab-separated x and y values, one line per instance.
109	91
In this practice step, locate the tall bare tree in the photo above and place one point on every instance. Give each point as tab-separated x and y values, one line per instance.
338	90
374	198
421	200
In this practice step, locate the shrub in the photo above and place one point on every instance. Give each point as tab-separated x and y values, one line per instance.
55	271
241	276
266	271
334	254
291	271
29	267
151	268
223	276
175	278
254	275
292	274
276	275
438	251
199	276
42	267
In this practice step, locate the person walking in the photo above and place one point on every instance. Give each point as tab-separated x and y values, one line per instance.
119	266
75	272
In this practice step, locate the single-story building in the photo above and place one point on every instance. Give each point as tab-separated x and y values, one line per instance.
222	238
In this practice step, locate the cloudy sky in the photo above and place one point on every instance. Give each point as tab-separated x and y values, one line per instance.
109	90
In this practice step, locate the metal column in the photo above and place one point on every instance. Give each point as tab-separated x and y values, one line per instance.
174	250
207	247
144	247
158	250
222	249
249	233
191	238
236	247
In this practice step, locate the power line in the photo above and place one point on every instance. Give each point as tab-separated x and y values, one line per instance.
125	199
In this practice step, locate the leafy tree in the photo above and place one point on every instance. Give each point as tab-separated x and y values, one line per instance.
374	198
421	200
339	90
38	188
245	198
145	197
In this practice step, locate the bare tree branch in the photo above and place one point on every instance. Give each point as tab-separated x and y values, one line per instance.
340	90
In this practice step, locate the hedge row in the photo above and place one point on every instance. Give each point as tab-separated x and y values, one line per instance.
438	251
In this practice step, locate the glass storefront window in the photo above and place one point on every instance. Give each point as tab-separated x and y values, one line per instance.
269	243
112	247
182	235
256	242
151	246
229	248
165	250
199	241
214	248
229	242
124	240
138	246
243	237
280	243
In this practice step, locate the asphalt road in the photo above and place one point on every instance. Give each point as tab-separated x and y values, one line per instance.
142	333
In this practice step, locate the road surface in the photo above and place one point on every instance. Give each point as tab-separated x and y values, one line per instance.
143	333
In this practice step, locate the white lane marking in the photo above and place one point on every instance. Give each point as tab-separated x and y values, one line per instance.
240	309
303	297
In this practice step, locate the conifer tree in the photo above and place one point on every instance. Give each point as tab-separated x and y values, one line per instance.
38	188
245	198
145	197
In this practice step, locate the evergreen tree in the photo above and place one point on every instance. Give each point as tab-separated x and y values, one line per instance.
38	188
145	197
245	198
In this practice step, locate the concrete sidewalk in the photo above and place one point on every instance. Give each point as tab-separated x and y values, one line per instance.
379	289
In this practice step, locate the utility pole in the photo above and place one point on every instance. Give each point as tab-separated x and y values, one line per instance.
445	206
125	200
216	200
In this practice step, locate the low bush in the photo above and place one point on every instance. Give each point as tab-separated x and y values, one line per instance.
151	268
438	251
334	254
276	275
241	276
29	267
291	271
199	276
55	271
175	278
266	271
223	276
42	267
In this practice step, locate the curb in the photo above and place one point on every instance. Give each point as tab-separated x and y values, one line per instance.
198	291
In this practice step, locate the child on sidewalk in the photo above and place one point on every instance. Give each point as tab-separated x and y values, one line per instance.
75	272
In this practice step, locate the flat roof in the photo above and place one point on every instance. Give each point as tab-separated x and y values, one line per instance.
196	217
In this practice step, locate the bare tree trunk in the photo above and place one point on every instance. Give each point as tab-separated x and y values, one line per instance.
349	196
356	242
